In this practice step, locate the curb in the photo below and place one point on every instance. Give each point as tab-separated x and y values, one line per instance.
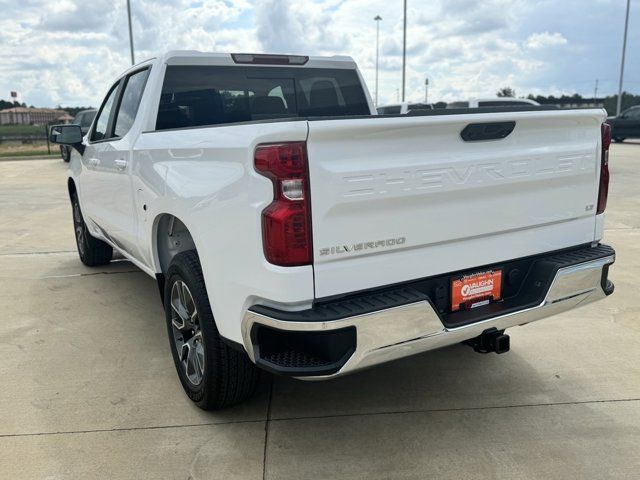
37	157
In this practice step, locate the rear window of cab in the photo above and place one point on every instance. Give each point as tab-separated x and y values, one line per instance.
215	95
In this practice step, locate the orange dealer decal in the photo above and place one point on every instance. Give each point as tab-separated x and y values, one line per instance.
476	290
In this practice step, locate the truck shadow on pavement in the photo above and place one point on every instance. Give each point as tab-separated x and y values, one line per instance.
452	378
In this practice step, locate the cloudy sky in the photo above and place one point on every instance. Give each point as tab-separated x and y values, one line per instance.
68	51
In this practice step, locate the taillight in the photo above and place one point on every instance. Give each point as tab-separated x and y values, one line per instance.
603	191
286	222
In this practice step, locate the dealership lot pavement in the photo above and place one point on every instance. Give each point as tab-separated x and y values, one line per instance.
89	389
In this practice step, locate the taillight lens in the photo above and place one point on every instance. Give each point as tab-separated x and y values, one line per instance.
286	222
603	192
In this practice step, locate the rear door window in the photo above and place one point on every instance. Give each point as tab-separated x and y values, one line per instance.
130	102
214	95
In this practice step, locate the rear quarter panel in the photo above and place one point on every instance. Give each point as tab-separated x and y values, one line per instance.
205	177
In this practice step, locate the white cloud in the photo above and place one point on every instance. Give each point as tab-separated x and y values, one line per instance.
68	16
298	27
544	40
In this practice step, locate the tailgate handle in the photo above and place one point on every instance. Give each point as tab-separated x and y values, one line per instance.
487	131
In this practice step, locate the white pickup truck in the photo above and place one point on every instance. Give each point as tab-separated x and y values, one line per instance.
291	228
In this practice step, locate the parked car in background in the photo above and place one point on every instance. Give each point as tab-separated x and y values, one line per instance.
84	119
493	102
293	230
403	108
626	125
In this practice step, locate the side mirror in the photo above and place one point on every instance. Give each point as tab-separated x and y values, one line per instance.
67	135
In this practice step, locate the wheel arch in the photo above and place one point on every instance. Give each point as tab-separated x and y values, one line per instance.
170	236
71	187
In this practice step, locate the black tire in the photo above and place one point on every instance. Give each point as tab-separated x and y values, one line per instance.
92	251
618	139
228	376
65	153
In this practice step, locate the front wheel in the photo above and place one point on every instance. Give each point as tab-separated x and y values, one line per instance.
92	251
65	153
619	139
212	374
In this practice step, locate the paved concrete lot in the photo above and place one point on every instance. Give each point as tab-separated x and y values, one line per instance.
88	388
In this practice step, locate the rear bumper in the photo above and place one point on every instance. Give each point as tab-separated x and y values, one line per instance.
335	338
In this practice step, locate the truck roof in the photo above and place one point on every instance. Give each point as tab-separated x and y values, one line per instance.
195	57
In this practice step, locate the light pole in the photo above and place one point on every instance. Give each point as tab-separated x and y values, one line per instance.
377	18
624	48
130	32
426	89
404	47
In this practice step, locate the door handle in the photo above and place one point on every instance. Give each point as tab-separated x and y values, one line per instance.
121	163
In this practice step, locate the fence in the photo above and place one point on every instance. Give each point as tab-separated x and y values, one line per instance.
9	136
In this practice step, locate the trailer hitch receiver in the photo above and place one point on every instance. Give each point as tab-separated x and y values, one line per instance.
491	340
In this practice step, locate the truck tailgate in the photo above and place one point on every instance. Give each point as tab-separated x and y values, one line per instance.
400	198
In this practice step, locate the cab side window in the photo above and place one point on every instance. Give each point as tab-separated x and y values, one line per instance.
130	102
102	122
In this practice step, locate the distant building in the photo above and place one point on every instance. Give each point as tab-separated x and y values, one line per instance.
33	116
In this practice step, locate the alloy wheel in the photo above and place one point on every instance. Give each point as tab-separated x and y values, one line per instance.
187	335
78	225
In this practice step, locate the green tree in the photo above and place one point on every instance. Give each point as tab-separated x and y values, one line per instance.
506	92
609	102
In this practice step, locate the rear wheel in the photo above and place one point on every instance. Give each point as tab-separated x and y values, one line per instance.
92	251
212	374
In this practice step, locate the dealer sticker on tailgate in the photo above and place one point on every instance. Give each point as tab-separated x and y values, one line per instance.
476	289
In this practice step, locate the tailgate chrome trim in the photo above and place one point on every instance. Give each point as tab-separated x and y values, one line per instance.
398	332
